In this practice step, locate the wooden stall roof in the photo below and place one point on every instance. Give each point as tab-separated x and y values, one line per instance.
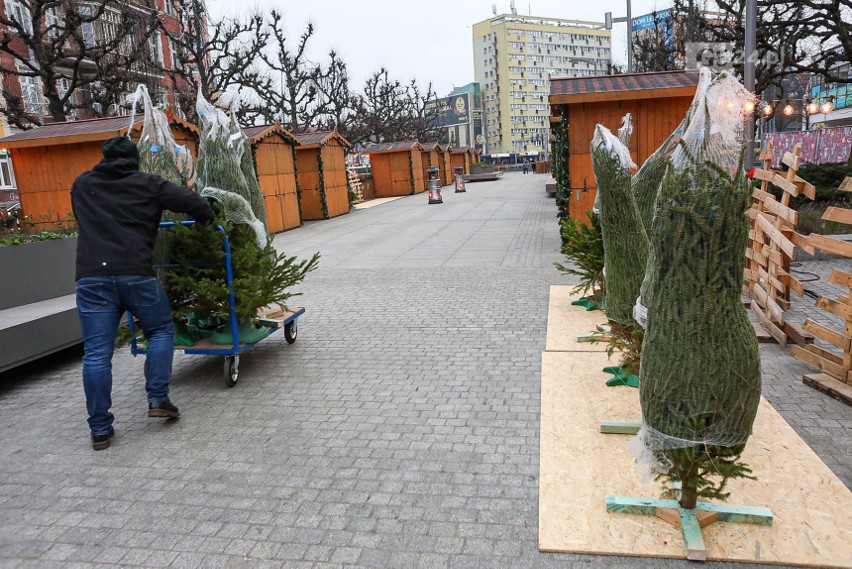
257	133
406	145
567	90
91	130
462	150
320	138
430	146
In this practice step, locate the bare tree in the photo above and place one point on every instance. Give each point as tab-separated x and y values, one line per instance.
657	48
57	48
288	92
212	57
338	102
792	37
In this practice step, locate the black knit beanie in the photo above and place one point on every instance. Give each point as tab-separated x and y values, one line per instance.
120	147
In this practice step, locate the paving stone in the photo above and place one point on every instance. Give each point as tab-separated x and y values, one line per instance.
400	430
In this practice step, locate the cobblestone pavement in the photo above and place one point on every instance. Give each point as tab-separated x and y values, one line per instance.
400	430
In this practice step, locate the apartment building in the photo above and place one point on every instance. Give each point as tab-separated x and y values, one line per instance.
514	58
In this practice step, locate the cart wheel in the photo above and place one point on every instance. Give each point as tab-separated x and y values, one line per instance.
291	331
232	370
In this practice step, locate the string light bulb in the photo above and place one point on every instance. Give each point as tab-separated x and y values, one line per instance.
788	109
749	106
812	107
767	109
826	107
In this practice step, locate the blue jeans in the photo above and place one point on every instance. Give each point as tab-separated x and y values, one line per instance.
101	302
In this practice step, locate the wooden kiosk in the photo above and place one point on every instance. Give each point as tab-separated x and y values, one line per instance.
657	102
321	166
274	150
48	159
444	164
431	159
397	168
460	157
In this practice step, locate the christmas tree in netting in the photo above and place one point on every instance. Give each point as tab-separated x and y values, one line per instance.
700	367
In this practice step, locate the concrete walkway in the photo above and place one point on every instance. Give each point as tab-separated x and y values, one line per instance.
400	430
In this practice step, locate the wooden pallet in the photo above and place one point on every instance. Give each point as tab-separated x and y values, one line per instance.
772	246
836	376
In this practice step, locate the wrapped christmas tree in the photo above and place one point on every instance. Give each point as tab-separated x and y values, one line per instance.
700	367
624	238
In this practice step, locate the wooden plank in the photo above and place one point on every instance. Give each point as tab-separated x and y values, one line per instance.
773	255
822	364
777	237
826	355
805	188
763	337
768	302
774	282
800	241
791	161
841	278
836	308
783	183
620	427
796	334
826	334
829	245
737	514
790	281
773	206
769	326
766	175
693	540
846	185
838	215
830	386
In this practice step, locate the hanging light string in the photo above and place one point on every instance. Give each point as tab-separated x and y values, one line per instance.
768	108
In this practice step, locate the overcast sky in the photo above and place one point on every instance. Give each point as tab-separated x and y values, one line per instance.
427	40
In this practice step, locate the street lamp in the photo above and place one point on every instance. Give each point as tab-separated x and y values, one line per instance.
609	21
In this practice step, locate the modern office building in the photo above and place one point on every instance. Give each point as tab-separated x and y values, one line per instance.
514	57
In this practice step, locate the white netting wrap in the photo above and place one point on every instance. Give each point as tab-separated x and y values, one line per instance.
158	152
626	130
237	210
220	154
604	138
700	368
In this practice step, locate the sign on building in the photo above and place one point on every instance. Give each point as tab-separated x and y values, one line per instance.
450	111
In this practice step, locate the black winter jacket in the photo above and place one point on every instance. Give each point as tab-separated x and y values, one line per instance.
118	210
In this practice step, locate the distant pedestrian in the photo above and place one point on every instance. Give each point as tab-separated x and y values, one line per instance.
526	166
118	210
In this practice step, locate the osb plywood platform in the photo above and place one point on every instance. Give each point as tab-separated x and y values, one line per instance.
374	202
565	323
580	467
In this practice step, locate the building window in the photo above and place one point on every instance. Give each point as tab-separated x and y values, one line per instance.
7	174
31	93
20	13
154	47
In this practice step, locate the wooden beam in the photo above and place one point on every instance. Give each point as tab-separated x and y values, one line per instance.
836	308
620	427
805	188
829	245
825	366
826	334
777	237
838	215
769	326
791	161
841	278
774	282
840	390
765	175
788	214
785	184
796	334
846	185
791	282
826	355
800	241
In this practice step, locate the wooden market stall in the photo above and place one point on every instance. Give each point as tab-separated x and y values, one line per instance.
274	150
431	159
48	159
657	101
321	166
397	168
460	157
444	164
